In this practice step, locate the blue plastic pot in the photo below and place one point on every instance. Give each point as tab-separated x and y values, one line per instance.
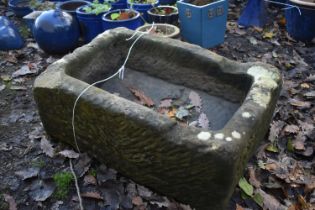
20	7
132	23
56	32
203	25
159	18
254	14
91	24
301	26
10	38
142	8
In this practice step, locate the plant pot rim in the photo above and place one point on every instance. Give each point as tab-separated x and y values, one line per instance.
12	3
81	12
118	10
189	4
165	6
155	3
71	2
303	2
174	34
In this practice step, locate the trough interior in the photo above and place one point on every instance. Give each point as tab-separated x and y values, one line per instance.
163	71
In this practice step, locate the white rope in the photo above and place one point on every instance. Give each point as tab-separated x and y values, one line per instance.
120	73
76	185
289	6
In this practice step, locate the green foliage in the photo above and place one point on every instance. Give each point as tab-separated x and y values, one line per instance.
63	181
114	16
41	6
92	172
24	31
96	8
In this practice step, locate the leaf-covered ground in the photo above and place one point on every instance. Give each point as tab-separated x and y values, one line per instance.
35	173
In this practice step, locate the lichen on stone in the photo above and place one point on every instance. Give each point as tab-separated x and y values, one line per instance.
204	136
236	135
219	136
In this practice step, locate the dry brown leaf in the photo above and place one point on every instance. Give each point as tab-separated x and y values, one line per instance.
69	154
203	121
238	207
137	201
275	129
309	187
47	147
9	199
172	113
195	100
252	177
94	195
305	85
166	103
144	100
271	166
89	179
303	203
271	202
291	129
298	103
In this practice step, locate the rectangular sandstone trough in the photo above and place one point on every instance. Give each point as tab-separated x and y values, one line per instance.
195	166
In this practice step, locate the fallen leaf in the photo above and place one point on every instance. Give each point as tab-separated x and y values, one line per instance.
10	200
203	121
305	86
166	103
2	87
272	148
89	180
17	87
271	166
83	165
11	58
94	195
298	103
195	100
303	202
246	187
291	129
24	70
41	190
5	147
69	154
137	201
28	173
309	95
144	100
252	177
172	113
47	147
268	35
275	128
270	202
238	207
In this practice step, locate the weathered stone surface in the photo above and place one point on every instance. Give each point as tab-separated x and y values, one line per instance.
195	166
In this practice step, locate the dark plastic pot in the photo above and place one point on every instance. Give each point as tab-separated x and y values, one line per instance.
301	26
56	32
72	5
132	23
20	7
142	8
158	18
91	24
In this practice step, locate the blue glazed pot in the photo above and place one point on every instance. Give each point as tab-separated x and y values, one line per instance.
91	24
56	32
120	4
254	14
301	26
171	18
167	2
10	38
142	8
71	6
20	7
132	23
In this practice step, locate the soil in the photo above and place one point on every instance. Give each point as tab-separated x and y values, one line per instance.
163	10
281	171
200	2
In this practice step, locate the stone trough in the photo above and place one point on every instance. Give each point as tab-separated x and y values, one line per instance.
195	166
